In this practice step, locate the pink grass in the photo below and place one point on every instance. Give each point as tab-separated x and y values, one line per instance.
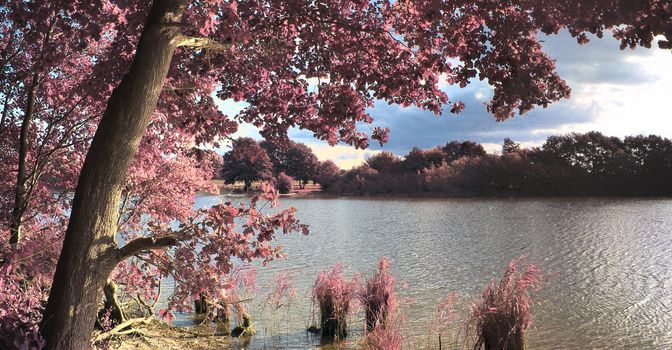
334	294
503	315
378	297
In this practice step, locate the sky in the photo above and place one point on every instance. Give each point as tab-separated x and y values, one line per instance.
618	93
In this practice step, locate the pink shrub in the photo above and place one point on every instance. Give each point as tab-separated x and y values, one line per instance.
501	318
284	183
377	297
333	294
21	306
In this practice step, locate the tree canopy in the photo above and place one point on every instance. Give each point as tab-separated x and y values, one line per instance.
246	162
116	101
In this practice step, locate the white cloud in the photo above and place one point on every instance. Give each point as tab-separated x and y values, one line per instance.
346	157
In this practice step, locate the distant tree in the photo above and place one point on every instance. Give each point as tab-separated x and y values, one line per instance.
293	158
284	183
385	162
434	156
649	163
415	160
455	150
327	174
510	146
247	162
418	159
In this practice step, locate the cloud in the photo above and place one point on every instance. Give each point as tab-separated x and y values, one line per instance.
615	92
344	156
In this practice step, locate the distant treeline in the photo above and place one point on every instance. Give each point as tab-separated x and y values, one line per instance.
588	164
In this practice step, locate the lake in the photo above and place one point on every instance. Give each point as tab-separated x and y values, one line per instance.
606	264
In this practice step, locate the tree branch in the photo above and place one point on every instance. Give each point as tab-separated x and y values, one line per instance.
119	329
201	43
139	245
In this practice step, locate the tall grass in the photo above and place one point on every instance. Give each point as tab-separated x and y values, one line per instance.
503	315
388	336
377	297
442	317
334	294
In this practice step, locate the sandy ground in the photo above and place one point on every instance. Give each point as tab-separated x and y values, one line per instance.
160	335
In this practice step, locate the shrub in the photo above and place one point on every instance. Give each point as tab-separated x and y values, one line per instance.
503	315
284	183
333	294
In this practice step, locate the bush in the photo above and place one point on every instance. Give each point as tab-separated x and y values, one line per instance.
501	318
284	183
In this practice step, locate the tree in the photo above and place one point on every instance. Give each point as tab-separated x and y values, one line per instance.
327	174
385	162
510	146
293	158
454	150
418	159
178	54
247	162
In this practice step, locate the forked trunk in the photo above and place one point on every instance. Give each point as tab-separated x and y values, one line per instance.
89	252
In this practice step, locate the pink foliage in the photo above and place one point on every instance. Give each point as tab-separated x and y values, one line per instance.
282	291
69	56
21	306
503	315
388	337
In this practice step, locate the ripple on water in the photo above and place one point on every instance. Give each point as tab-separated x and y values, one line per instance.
606	262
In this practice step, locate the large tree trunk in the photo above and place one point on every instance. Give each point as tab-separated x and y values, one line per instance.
89	252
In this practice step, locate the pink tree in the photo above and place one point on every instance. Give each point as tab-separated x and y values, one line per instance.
167	59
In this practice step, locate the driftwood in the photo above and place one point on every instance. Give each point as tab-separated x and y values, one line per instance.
120	329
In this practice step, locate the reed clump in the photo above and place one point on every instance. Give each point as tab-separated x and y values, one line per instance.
502	316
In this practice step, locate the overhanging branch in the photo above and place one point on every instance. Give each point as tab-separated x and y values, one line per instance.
139	245
201	43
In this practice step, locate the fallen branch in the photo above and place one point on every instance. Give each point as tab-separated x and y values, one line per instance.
120	328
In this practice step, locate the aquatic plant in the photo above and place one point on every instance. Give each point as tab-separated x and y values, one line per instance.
503	315
387	336
441	318
377	296
334	294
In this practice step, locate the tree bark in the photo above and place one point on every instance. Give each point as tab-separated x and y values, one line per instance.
20	200
20	192
89	252
112	303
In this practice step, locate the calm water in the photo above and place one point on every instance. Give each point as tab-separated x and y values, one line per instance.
606	262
